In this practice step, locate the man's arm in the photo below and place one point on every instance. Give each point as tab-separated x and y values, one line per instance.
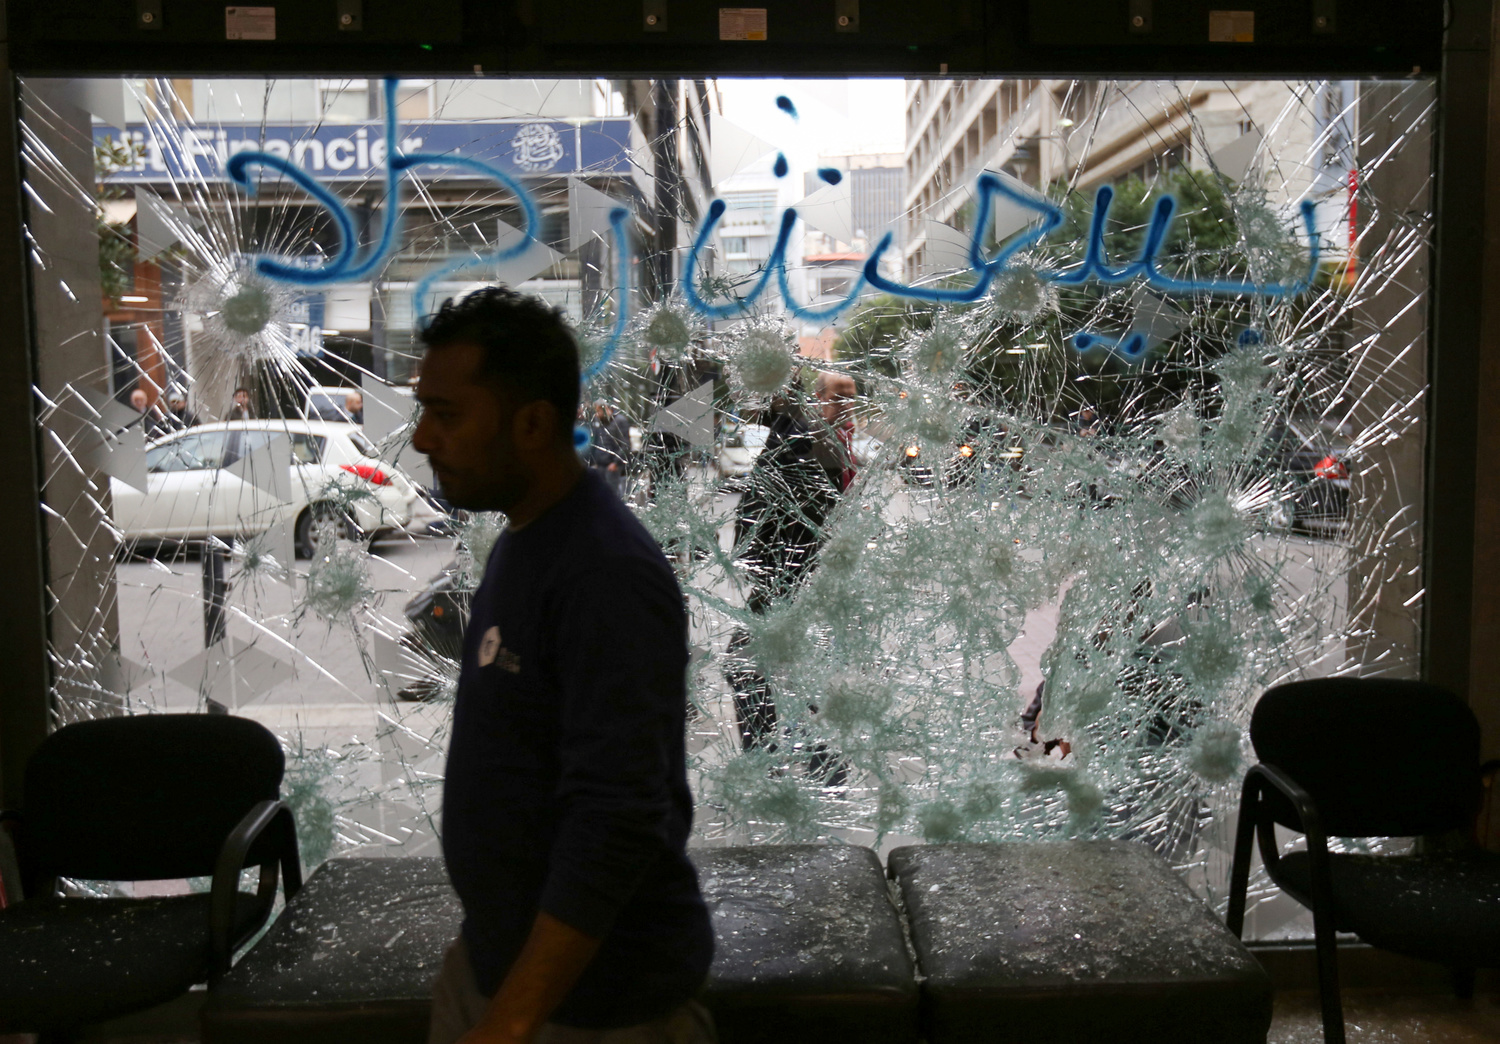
553	958
621	668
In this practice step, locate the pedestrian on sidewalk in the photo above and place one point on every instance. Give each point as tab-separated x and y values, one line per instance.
794	485
609	445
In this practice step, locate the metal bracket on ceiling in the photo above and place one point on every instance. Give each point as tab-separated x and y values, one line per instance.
351	15
654	16
148	14
1324	16
846	16
1140	16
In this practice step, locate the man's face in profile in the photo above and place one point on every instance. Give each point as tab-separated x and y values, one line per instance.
465	430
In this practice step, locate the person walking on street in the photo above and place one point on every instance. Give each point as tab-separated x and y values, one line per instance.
609	444
794	485
184	417
154	422
566	807
240	410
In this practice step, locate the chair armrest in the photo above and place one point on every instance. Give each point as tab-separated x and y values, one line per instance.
1256	822
226	881
1310	822
1308	819
1489	805
10	868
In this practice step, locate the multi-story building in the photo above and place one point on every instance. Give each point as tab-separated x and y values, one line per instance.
876	197
1092	132
754	200
832	265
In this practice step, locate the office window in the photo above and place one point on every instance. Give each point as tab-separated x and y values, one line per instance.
1101	501
344	101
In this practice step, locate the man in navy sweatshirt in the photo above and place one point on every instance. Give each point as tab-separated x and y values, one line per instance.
566	807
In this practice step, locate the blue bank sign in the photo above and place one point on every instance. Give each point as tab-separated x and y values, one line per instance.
357	152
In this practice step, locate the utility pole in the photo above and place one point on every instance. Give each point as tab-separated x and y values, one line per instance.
668	169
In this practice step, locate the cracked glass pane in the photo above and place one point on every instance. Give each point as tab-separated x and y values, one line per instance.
1008	437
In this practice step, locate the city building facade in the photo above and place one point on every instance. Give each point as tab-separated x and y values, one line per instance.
576	146
1093	132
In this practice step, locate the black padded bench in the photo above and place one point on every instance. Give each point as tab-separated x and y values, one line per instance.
808	937
351	958
1073	941
809	946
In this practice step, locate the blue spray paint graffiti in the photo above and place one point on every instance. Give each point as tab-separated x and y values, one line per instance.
348	265
1094	266
617	222
344	267
775	266
1049	217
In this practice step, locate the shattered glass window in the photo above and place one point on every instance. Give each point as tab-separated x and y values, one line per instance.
1008	437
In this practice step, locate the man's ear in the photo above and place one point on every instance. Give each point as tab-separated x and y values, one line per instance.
536	425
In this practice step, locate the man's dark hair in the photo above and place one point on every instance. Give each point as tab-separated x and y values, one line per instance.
242	388
527	345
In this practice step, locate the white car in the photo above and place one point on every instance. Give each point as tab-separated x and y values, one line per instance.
742	444
191	493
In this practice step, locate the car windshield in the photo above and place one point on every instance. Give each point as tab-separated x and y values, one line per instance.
196	452
327	406
307	449
364	445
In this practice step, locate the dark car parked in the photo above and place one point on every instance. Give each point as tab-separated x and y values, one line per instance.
1316	459
437	615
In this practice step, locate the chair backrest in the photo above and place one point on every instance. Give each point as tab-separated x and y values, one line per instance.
146	797
1380	758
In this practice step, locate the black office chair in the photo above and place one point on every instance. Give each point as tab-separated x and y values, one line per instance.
134	799
1348	757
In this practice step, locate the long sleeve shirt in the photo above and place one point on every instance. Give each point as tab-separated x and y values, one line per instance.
566	785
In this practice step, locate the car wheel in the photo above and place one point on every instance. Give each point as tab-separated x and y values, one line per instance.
310	525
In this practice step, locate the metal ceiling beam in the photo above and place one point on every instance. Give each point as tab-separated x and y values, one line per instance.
1041	38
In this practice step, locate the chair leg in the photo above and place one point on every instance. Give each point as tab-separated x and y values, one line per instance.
1239	872
1463	982
1328	979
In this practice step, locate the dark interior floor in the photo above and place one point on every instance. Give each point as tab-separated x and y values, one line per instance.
1425	1014
1372	1016
1383	1016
